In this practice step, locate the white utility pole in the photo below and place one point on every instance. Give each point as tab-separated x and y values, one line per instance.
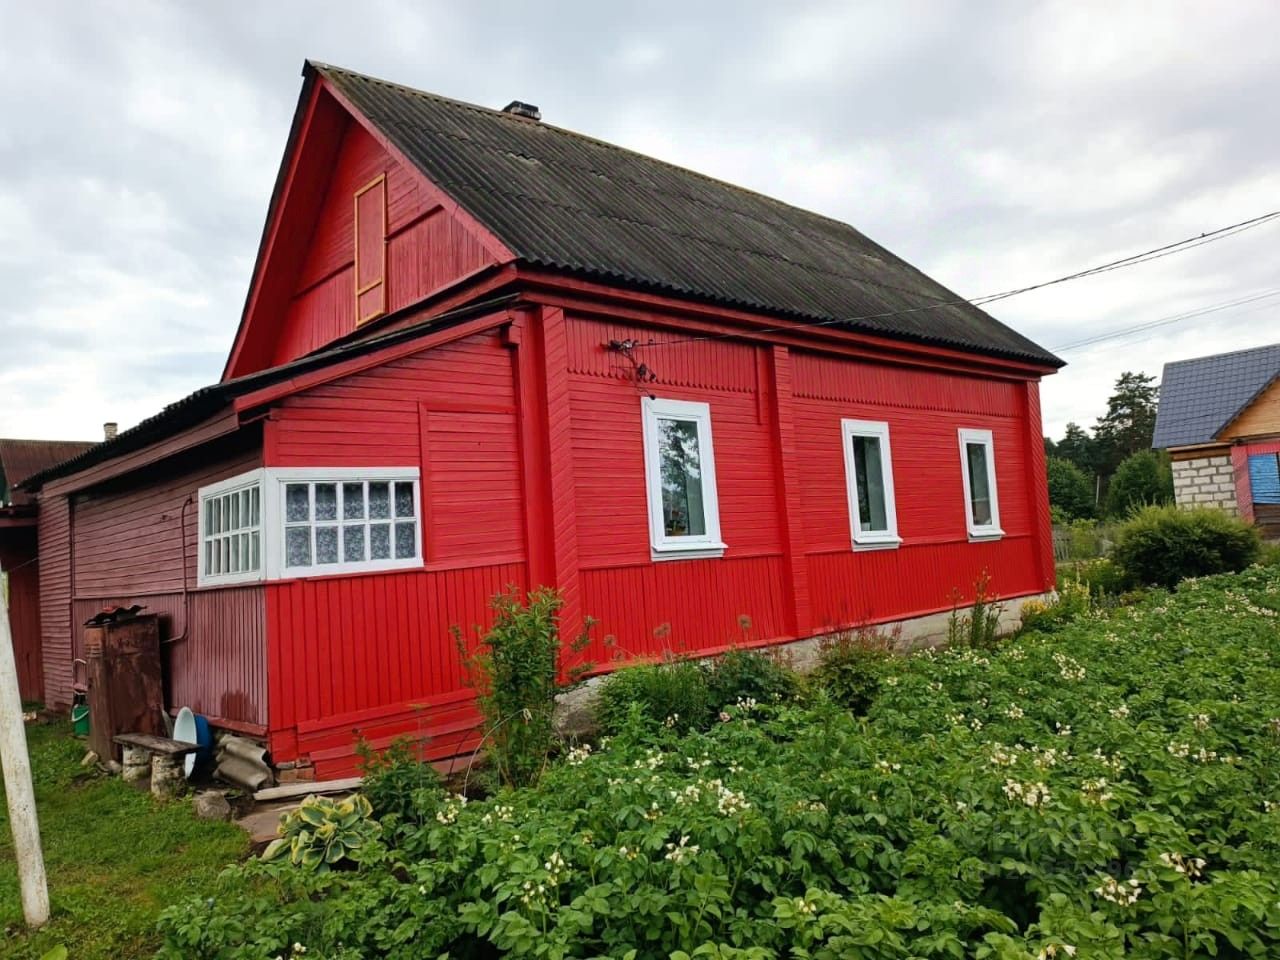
17	783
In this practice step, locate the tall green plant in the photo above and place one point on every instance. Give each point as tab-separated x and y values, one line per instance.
977	628
516	671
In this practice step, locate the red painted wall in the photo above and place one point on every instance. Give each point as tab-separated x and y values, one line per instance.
54	537
372	655
18	560
427	249
134	543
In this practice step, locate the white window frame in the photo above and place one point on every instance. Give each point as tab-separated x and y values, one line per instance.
870	539
236	484
992	530
272	481
662	546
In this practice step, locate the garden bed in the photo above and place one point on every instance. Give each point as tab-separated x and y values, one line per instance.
1108	789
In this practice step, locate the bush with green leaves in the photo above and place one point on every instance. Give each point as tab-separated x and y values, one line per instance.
1142	479
850	665
323	834
1108	790
1160	546
676	692
1074	600
516	670
1070	489
750	675
398	780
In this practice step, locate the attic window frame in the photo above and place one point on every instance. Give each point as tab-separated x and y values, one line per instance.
379	181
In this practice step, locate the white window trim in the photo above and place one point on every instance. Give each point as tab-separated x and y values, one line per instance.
662	546
870	539
992	530
273	480
239	482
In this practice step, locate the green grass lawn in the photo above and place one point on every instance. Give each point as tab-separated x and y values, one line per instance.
115	857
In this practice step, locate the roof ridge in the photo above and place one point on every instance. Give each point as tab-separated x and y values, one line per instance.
480	108
1219	356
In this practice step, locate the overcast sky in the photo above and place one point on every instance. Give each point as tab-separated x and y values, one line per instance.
992	145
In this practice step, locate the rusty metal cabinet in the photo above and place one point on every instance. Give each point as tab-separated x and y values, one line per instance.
125	685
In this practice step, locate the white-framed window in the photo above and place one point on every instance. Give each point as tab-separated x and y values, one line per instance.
981	499
868	467
680	473
230	531
303	522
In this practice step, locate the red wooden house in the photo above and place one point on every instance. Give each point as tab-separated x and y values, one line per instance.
480	350
19	567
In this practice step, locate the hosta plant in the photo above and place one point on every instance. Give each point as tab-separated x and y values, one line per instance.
324	833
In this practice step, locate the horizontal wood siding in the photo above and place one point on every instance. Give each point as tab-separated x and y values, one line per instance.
129	537
427	249
219	669
18	561
373	655
55	599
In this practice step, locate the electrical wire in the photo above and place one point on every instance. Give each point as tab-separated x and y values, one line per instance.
1165	321
1156	253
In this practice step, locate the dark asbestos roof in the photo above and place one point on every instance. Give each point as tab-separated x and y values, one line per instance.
205	402
1199	397
568	202
20	459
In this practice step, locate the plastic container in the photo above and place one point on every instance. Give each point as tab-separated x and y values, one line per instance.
80	719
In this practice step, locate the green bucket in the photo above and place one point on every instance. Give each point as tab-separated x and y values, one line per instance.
80	719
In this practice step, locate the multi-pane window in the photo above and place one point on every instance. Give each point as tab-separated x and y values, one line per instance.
299	522
231	533
982	503
349	523
869	475
684	518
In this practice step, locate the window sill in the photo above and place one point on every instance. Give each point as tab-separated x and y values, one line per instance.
887	544
701	551
981	536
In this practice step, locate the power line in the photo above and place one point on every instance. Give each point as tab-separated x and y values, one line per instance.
1165	321
1156	253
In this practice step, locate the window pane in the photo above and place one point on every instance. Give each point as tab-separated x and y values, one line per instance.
208	516
681	464
353	543
233	502
255	552
405	547
868	470
353	501
209	566
297	547
245	559
224	547
255	511
404	499
380	500
326	501
297	503
379	541
246	509
326	544
979	489
233	548
216	525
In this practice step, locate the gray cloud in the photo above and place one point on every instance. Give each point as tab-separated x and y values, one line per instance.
991	144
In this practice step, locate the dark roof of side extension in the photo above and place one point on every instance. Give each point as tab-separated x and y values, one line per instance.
20	459
206	401
571	203
1201	396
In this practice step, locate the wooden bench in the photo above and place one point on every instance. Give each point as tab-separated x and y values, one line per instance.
161	756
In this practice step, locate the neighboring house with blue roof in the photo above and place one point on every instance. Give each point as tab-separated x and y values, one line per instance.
1219	418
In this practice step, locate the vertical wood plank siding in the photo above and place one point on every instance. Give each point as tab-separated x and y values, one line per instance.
18	560
427	249
372	655
55	599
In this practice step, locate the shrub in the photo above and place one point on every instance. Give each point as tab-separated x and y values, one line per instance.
1070	489
1145	478
1073	601
675	692
1159	546
979	627
516	673
324	833
850	665
750	675
397	780
1102	577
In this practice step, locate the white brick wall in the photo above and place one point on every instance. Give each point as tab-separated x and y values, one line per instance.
1205	482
